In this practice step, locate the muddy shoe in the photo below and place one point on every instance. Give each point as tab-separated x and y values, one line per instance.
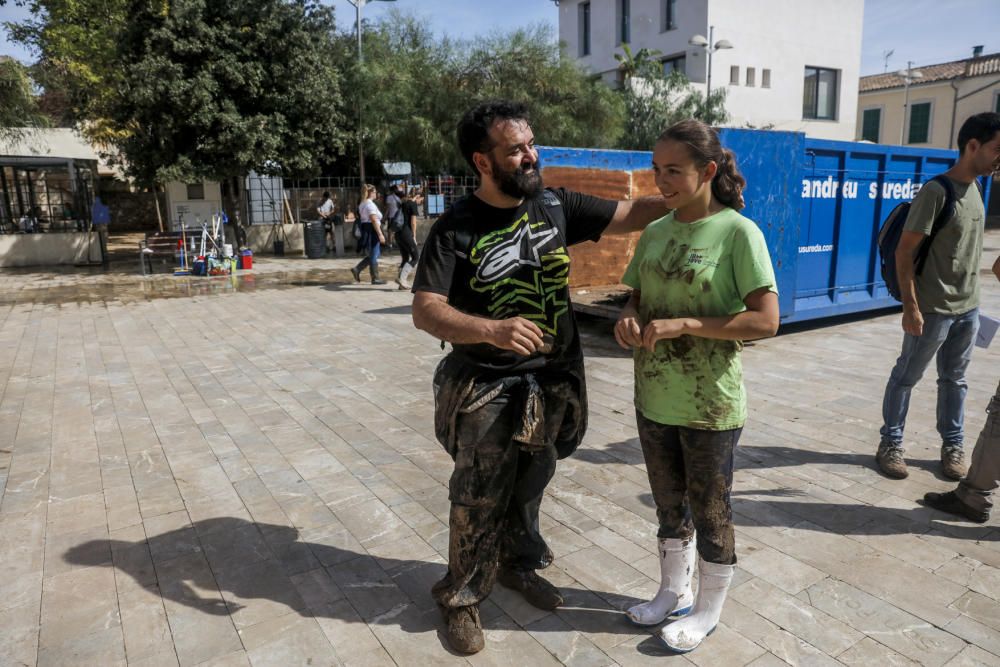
952	504
890	460
465	631
537	591
953	462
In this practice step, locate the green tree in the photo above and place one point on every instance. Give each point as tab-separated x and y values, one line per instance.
654	101
568	106
643	63
417	86
404	93
78	67
19	111
212	89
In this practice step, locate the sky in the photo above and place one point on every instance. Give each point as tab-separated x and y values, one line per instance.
924	31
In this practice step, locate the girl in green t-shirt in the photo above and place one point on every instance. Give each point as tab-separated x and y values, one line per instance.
701	283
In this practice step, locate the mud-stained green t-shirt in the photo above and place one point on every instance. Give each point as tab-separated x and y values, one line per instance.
704	268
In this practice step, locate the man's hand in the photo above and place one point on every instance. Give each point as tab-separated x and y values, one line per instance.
913	321
658	330
628	331
517	335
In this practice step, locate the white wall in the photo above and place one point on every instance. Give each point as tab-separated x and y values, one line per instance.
692	17
193	209
50	249
786	36
781	35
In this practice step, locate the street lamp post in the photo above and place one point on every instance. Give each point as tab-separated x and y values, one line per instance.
358	6
710	48
909	75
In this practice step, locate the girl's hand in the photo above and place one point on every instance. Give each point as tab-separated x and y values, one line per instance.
658	330
628	332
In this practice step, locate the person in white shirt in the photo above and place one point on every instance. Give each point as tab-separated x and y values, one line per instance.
370	220
332	222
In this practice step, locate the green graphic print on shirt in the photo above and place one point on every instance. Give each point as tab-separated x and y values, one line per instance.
523	270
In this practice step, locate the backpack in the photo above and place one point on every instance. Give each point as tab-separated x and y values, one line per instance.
892	230
395	223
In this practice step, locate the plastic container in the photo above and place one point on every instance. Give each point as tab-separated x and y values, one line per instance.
246	259
315	239
227	249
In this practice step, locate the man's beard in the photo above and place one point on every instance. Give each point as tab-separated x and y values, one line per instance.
518	183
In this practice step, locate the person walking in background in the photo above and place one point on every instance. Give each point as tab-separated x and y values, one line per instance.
702	283
333	223
393	214
941	305
371	240
973	498
406	238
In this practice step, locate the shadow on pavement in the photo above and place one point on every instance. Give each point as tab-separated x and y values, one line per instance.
218	566
789	507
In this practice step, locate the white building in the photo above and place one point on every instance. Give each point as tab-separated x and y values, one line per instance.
794	64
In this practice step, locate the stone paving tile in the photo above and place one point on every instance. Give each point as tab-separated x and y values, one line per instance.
803	620
973	656
155	506
890	626
870	652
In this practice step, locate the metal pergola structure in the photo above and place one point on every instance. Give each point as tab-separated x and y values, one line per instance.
42	194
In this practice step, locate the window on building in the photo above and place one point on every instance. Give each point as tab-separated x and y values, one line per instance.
584	28
819	97
871	121
765	78
675	64
624	22
195	191
734	75
751	77
669	15
920	123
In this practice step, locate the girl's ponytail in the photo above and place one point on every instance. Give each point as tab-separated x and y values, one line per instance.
728	184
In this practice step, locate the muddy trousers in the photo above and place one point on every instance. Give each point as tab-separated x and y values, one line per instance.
495	493
976	489
691	476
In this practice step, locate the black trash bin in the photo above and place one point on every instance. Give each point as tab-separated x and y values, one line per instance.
315	239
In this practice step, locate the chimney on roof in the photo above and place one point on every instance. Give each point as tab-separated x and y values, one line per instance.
977	51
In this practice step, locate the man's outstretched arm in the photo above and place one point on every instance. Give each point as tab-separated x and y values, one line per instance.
632	215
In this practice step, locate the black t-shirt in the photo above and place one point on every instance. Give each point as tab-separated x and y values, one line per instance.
410	209
500	263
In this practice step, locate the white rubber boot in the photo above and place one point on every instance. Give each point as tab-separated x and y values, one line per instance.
674	597
713	584
404	276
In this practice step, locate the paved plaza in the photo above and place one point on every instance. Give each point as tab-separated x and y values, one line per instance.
244	472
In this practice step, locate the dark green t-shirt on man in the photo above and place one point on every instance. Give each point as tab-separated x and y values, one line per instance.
949	283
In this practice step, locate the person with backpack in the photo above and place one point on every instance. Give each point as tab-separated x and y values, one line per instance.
393	215
941	303
702	283
510	397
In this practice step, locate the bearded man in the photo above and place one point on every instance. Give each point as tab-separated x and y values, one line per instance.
510	397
